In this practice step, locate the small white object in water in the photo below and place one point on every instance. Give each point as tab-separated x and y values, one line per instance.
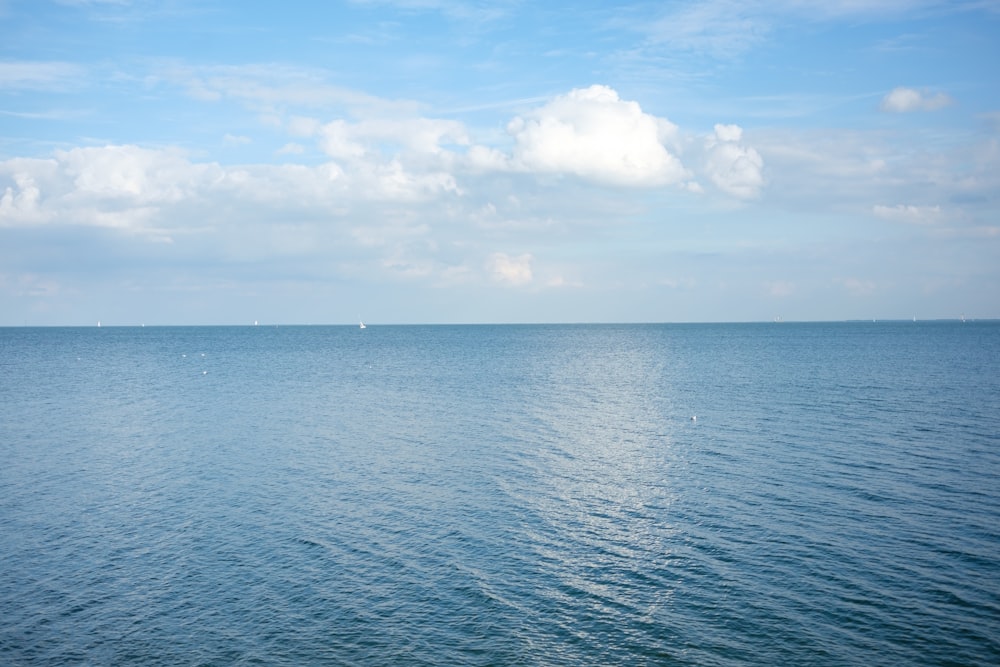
204	372
694	418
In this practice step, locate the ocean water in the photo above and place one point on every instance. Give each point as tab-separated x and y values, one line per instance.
501	495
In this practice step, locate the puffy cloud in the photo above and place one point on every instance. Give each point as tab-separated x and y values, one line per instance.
393	181
19	204
733	167
593	134
123	187
916	215
139	175
510	270
134	188
903	100
338	140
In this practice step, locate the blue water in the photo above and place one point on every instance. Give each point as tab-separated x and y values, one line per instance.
501	495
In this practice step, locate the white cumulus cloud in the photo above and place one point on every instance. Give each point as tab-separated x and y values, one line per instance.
903	100
134	174
733	167
19	203
592	133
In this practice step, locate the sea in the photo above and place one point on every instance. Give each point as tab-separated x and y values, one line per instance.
660	494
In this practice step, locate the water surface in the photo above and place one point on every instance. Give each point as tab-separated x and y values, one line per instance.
494	495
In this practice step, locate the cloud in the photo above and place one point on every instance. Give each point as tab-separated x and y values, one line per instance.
339	141
593	134
270	87
509	270
590	133
39	75
85	3
734	168
157	194
904	100
113	186
19	203
721	28
133	174
916	215
350	141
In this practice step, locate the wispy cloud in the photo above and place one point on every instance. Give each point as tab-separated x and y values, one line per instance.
269	87
721	28
903	100
908	213
51	114
727	29
92	3
39	75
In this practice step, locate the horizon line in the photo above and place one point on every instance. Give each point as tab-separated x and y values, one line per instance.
257	324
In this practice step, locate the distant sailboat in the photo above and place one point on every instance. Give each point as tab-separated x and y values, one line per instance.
362	324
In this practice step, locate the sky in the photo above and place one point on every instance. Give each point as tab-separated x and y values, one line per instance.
441	161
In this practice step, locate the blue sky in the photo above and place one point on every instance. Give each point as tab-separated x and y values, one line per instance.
406	161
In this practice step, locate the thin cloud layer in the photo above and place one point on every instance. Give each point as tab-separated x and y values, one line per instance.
908	213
